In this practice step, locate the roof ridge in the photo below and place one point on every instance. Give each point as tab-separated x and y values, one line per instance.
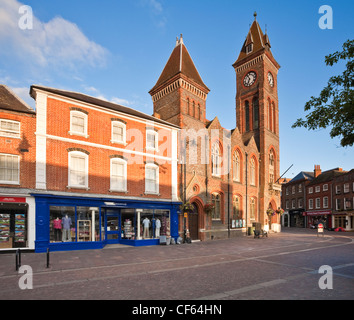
101	103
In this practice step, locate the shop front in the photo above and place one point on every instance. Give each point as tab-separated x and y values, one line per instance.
343	220
16	222
314	217
297	218
81	223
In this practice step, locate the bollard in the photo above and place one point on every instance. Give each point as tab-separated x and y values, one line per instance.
48	258
18	259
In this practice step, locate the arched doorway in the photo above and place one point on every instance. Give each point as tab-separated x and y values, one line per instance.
193	223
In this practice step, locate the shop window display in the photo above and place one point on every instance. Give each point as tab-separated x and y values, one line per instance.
68	226
146	218
128	224
162	223
62	224
13	226
141	224
88	224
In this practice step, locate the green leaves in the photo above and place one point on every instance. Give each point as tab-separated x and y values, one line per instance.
335	105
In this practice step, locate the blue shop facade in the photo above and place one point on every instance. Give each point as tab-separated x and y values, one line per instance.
66	223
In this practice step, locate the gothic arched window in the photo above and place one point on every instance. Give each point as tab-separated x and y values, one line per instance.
253	172
271	166
236	207
255	105
236	167
247	115
217	206
215	159
252	208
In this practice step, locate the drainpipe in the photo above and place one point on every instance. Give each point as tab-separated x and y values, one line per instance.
246	192
228	190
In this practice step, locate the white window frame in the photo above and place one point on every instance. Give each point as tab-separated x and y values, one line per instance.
346	188
156	138
300	203
4	132
293	203
78	154
121	162
338	204
249	48
325	187
84	117
310	190
152	166
118	124
318	189
300	188
310	203
325	202
16	180
338	189
318	203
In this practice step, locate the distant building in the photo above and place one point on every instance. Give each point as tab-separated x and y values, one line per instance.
294	200
316	196
343	201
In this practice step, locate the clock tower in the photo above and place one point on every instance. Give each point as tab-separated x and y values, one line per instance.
257	116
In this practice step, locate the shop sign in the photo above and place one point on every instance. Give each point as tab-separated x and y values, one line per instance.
13	199
119	204
318	213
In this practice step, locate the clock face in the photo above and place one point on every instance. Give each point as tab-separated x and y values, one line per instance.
270	79
250	79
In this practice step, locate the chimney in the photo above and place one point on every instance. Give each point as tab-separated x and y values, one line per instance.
317	170
157	115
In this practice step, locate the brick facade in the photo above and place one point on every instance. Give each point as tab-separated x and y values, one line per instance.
324	196
17	171
241	197
100	148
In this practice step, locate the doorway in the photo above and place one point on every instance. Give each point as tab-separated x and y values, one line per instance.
112	226
193	223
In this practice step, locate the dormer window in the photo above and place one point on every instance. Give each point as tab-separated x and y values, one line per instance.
249	48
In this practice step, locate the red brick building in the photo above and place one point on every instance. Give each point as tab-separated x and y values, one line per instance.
343	201
104	173
235	170
319	193
293	199
17	171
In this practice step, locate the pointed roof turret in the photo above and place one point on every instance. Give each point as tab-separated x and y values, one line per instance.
256	43
180	64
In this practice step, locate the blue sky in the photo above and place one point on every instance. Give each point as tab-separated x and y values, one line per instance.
116	50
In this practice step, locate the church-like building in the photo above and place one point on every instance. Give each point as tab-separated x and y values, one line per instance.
227	179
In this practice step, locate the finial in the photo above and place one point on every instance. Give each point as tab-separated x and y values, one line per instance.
255	15
179	41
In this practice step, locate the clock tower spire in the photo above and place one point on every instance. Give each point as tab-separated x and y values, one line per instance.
257	113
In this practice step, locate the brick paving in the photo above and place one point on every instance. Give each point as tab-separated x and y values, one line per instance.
283	266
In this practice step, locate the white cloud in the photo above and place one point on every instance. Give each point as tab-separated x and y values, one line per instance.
97	94
121	101
156	10
58	42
